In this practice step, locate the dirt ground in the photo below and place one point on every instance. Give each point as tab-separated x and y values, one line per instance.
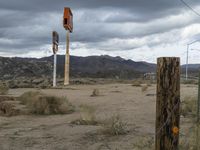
55	132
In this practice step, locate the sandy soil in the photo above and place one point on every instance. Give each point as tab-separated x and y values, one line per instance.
56	133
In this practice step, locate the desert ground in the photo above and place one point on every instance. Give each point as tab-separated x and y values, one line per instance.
56	132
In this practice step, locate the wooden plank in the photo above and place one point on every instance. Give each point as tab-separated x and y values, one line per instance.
168	103
67	61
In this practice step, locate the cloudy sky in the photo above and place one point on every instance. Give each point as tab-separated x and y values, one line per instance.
141	30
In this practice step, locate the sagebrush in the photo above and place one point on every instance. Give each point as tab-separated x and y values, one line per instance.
114	126
4	89
39	103
87	116
189	106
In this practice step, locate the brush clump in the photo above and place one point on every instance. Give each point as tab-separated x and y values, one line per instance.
39	103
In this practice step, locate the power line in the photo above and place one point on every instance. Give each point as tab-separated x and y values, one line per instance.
190	8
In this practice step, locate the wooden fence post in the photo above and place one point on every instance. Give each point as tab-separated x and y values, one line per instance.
198	102
168	103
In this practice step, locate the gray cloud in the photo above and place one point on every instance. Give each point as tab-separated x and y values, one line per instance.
27	24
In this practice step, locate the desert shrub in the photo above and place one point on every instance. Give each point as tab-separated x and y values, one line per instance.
95	93
7	98
144	88
87	116
29	96
3	89
7	109
114	126
39	103
137	83
188	106
190	81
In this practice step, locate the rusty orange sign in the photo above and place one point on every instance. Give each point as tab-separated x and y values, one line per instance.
68	19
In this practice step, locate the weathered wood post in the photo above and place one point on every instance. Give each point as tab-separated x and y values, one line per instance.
198	102
67	61
68	25
168	103
198	116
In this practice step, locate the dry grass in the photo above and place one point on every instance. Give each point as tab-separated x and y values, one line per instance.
87	116
188	106
190	141
7	109
114	126
3	89
144	88
95	93
7	98
137	83
189	81
39	103
30	96
144	143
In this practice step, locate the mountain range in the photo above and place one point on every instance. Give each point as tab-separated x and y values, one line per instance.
92	67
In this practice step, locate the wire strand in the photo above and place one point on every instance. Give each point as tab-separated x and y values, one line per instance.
187	5
168	118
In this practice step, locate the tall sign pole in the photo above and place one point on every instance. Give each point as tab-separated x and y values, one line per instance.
55	38
68	25
67	60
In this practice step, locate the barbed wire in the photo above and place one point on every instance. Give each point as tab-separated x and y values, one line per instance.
186	140
168	118
191	129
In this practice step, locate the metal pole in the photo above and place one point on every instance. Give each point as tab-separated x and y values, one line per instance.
54	70
186	71
67	57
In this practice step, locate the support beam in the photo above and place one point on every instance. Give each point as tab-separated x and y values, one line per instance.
54	70
67	61
168	103
198	103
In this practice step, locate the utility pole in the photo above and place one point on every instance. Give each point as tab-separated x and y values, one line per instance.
68	25
168	103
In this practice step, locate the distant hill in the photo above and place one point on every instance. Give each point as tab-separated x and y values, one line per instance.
92	66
